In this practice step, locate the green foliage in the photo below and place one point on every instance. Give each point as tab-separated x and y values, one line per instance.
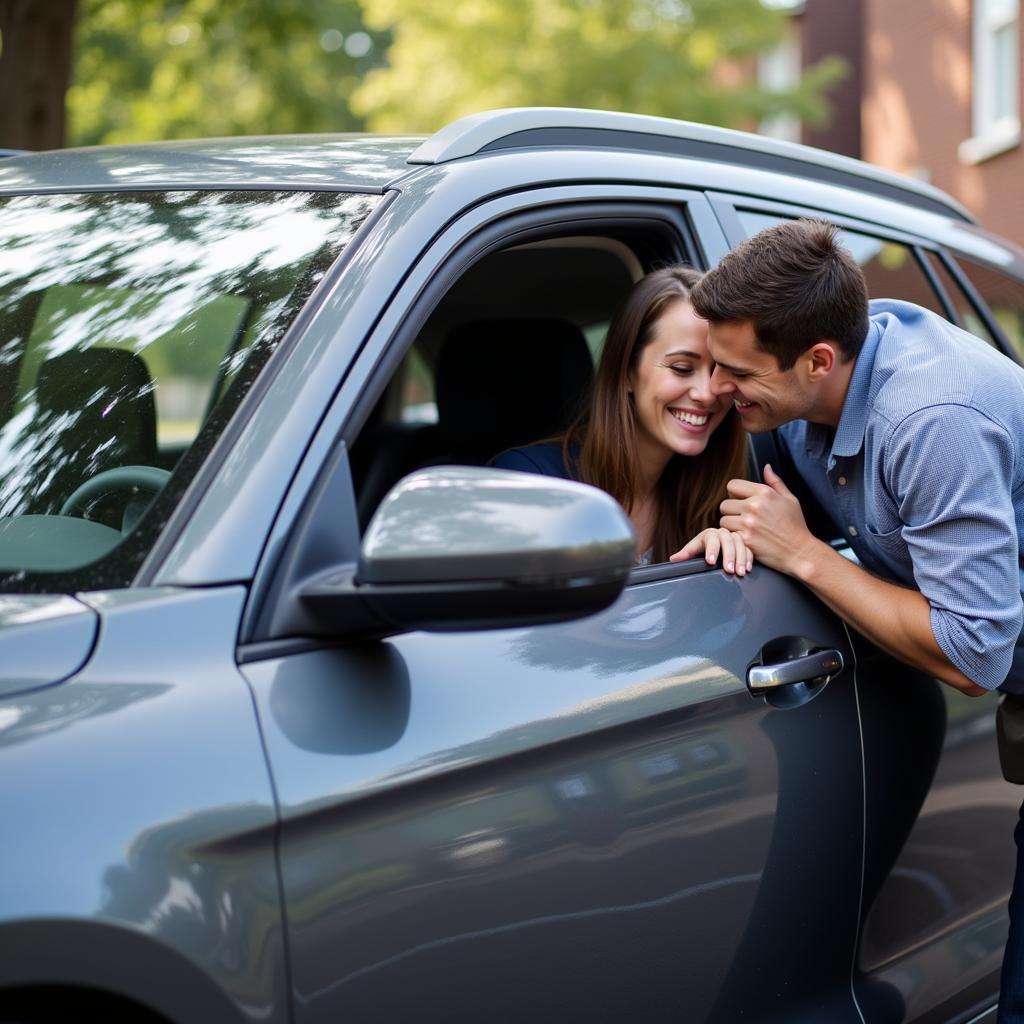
152	69
692	59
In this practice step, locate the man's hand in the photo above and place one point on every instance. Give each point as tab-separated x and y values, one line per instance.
898	619
769	519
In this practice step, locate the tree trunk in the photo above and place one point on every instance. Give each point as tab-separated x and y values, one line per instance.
35	69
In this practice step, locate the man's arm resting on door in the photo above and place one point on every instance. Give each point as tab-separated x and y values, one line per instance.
895	618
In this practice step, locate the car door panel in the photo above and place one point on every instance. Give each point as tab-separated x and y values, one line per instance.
152	876
596	816
940	818
940	848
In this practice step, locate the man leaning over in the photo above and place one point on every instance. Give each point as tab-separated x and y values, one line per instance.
905	429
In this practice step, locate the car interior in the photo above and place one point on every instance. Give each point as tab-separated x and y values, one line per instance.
505	359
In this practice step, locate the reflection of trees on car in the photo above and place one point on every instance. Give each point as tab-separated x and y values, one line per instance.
233	268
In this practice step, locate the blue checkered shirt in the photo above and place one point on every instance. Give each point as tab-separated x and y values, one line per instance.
925	477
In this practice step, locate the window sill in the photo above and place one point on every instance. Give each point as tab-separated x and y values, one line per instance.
998	139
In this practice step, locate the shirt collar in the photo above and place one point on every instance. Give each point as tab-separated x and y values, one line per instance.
853	419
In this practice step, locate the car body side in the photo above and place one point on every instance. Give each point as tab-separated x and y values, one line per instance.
157	878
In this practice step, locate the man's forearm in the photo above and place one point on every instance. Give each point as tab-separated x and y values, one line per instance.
895	618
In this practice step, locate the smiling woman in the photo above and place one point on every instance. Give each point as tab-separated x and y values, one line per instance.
131	326
653	435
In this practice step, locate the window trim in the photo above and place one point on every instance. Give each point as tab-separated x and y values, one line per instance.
920	254
727	204
949	260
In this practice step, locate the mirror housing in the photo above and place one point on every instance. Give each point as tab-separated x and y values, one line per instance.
464	548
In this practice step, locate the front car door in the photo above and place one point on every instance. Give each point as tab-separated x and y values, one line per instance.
940	818
595	817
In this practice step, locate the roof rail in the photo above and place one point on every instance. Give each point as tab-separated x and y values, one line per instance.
526	127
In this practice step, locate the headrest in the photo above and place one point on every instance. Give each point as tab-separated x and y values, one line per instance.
505	383
100	400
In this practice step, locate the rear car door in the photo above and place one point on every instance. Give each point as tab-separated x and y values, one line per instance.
940	817
593	817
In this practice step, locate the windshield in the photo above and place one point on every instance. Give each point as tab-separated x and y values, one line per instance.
131	326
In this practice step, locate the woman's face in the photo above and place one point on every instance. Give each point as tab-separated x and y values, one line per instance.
671	386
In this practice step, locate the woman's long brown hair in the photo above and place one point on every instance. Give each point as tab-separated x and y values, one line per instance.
602	442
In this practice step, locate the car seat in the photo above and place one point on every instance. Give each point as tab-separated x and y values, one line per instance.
505	383
498	384
95	411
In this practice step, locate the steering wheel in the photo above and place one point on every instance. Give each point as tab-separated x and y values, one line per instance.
146	479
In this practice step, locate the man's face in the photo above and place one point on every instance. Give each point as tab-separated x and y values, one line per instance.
765	396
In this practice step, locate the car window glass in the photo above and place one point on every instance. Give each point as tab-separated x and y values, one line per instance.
595	335
185	358
478	377
890	268
1003	295
417	403
130	326
966	313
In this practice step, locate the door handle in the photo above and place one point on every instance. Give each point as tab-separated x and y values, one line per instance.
807	669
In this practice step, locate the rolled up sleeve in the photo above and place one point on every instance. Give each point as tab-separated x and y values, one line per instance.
950	469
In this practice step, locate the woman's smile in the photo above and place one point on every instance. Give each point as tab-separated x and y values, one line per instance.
688	419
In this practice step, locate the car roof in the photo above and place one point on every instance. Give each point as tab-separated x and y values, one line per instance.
371	163
566	127
342	162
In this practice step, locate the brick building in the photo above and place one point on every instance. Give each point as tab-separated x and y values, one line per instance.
942	100
935	91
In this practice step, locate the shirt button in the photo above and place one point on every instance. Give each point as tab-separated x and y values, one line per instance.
842	481
852	530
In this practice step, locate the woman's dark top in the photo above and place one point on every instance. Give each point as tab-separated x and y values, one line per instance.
545	459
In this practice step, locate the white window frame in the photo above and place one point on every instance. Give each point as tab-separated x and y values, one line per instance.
992	134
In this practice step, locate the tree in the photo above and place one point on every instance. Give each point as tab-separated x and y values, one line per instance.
691	59
35	65
150	69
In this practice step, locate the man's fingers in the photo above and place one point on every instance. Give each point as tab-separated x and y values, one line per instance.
742	488
732	523
730	507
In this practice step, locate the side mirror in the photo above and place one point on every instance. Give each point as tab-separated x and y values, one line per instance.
459	548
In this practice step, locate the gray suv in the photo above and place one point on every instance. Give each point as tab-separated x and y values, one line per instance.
307	715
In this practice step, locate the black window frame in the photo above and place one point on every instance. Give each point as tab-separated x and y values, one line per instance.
974	297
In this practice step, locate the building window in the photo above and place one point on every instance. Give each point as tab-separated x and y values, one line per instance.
996	72
778	70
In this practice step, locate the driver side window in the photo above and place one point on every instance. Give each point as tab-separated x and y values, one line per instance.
505	359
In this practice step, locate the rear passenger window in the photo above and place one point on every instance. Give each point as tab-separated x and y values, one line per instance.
890	268
1004	296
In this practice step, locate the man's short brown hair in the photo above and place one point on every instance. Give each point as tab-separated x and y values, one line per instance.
796	285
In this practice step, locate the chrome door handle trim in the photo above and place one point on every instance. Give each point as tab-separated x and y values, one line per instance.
800	670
